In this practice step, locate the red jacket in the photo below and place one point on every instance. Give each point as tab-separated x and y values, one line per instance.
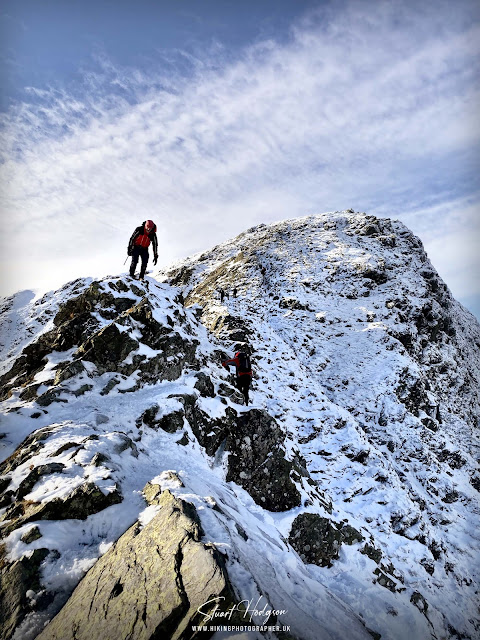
139	237
236	362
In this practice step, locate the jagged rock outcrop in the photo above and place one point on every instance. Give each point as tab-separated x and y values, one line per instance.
73	323
149	584
100	323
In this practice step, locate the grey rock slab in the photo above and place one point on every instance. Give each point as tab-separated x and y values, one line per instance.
148	585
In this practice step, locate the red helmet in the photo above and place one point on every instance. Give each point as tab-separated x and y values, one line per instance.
149	226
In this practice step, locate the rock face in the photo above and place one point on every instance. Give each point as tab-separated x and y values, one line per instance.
257	462
149	585
98	323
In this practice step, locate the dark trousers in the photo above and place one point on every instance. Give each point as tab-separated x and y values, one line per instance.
139	252
243	385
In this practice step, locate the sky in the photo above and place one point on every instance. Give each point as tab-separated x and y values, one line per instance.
212	116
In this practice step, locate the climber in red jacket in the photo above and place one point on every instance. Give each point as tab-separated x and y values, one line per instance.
243	372
138	246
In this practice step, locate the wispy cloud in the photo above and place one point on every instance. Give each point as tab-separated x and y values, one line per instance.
373	105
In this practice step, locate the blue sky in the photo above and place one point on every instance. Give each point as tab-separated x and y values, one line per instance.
212	116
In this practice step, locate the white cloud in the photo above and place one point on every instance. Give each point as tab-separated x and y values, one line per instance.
373	106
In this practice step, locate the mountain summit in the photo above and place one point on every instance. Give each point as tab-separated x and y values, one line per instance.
342	503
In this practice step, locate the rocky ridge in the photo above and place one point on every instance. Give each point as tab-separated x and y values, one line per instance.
355	466
372	369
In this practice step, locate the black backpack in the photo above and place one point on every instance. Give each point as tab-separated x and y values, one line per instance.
244	365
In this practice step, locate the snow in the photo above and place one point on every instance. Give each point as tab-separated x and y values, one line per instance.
329	374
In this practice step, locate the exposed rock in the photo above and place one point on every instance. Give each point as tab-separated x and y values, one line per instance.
450	496
74	324
65	447
16	579
385	581
210	432
452	458
229	391
349	534
257	463
6	499
31	535
183	440
111	384
204	385
475	482
170	422
124	443
69	370
373	553
294	304
93	298
27	449
419	601
30	393
52	395
316	539
98	459
152	492
377	275
4	483
180	277
149	584
428	565
107	348
30	481
79	504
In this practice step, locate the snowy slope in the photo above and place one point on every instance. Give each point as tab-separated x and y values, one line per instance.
373	370
97	436
362	357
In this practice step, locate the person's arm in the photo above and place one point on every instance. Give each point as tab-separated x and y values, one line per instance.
233	361
135	235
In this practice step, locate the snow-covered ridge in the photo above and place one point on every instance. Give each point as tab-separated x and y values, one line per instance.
362	439
373	369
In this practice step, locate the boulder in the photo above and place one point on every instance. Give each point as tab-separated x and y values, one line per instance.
204	385
257	461
150	584
317	540
31	535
